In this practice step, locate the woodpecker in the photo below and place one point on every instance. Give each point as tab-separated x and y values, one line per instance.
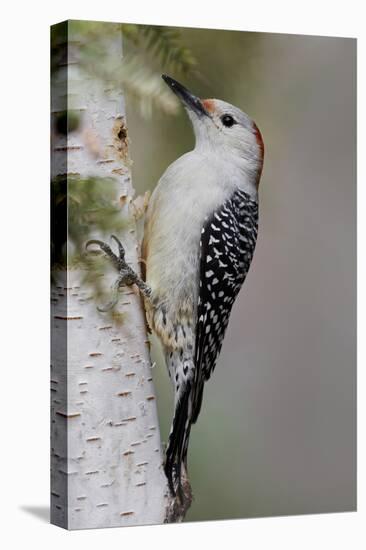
199	238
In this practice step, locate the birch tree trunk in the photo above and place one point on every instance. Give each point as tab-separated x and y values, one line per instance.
106	458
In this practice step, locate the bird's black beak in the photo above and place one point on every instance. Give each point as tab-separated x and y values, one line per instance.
188	99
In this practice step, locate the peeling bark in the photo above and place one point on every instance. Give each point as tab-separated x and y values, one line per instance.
106	457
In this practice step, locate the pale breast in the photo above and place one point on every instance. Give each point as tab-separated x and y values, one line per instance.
190	190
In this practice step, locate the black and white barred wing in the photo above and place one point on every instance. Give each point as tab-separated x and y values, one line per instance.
227	244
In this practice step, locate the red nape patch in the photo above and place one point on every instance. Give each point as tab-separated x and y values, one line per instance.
209	105
259	139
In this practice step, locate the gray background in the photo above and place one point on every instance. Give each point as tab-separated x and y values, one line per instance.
277	431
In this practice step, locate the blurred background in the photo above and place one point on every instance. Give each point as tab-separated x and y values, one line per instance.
277	430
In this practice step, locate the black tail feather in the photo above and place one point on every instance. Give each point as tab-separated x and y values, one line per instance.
176	452
197	403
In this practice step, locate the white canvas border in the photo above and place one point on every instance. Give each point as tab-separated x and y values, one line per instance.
25	99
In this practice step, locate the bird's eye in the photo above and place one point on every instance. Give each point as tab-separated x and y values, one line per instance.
227	120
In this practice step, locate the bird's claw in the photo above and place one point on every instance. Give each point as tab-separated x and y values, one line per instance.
118	261
126	276
121	250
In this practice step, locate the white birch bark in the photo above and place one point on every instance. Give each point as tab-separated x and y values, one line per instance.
106	452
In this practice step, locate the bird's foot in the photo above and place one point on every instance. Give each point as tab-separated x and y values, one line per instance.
126	275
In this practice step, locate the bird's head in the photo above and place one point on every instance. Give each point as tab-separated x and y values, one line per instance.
223	129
